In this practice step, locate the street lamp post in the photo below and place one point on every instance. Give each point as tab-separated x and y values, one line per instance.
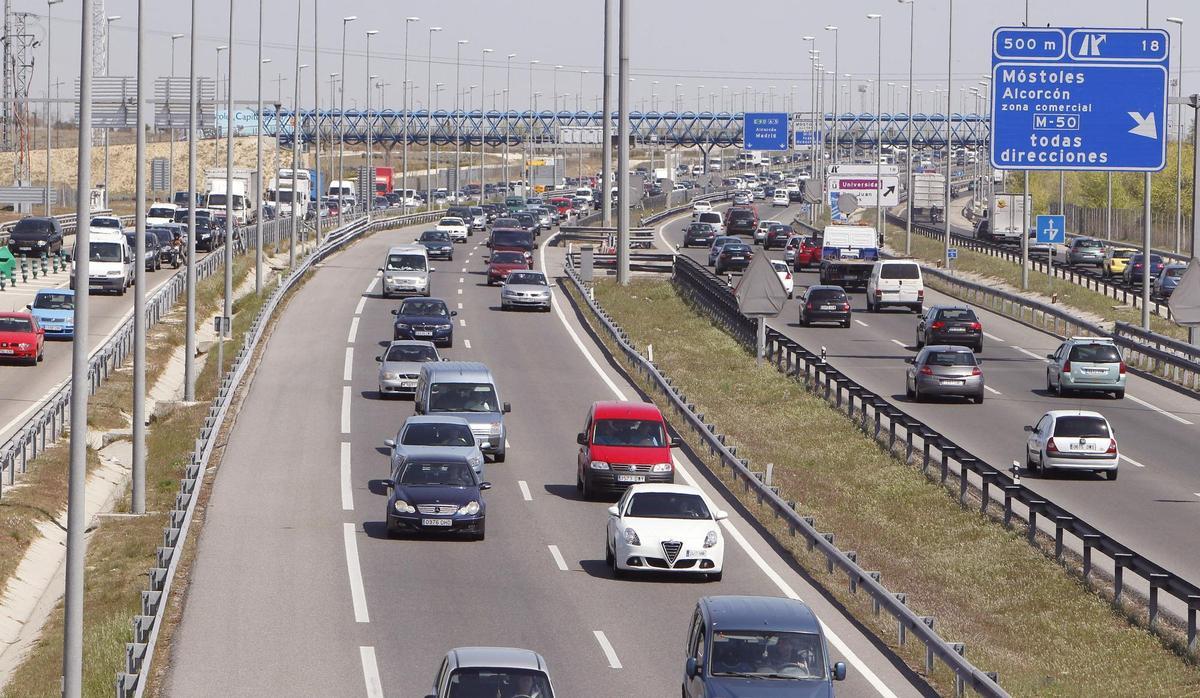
407	117
528	169
107	54
138	489
834	29
370	193
227	306
1179	140
49	25
429	120
880	222
483	123
554	152
507	121
315	187
258	163
170	129
341	167
189	354
217	124
949	127
606	121
458	117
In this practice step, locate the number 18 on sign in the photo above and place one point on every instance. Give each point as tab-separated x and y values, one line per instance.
1079	98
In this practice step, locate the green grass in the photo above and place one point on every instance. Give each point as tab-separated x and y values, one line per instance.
1016	610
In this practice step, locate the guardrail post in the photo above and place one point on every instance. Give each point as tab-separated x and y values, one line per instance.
947	453
1157	580
901	630
1193	603
963	481
928	621
985	495
1059	523
1089	541
1034	506
1120	560
875	605
1009	492
960	648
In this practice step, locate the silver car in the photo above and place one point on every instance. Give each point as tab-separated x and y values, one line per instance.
1072	439
942	370
435	435
400	366
526	289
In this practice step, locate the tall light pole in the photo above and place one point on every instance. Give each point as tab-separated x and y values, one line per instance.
507	120
217	80
407	117
949	126
1178	140
107	54
429	121
554	152
624	200
49	25
606	121
341	166
170	129
834	29
189	353
138	489
880	222
458	116
370	194
296	133
258	162
528	169
227	306
483	123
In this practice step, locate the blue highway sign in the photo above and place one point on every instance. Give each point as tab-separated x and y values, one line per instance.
1079	99
952	253
1052	229
766	131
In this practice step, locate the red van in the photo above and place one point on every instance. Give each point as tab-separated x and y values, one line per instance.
623	444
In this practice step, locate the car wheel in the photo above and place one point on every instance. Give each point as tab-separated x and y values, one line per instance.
585	489
1110	475
803	321
978	348
1118	394
978	398
846	322
917	308
617	572
482	532
608	553
715	576
870	306
391	530
908	392
916	393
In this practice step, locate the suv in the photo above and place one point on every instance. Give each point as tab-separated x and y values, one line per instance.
622	444
741	221
1091	364
33	236
406	271
1086	251
950	325
492	671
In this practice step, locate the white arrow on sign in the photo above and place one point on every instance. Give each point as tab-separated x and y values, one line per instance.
1145	125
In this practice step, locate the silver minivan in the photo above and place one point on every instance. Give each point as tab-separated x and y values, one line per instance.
406	271
465	389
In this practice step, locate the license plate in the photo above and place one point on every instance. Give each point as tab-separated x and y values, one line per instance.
408	384
737	259
958	329
1095	371
695	553
631	478
424	333
828	307
950	382
6	351
437	522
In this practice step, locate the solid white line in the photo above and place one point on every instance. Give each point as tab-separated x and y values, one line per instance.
467	343
1028	353
345	409
896	341
347	493
1131	461
357	595
1158	409
524	490
348	366
353	330
362	302
607	647
861	322
371	286
992	337
558	558
371	672
462	322
1196	493
992	390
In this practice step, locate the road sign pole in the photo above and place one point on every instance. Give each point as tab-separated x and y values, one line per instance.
606	122
949	125
761	343
1146	253
139	286
189	354
1193	334
624	199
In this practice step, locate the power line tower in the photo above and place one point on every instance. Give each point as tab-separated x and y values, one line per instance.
19	45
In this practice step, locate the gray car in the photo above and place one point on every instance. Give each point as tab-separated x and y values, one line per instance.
492	671
435	435
526	289
944	371
1086	251
400	365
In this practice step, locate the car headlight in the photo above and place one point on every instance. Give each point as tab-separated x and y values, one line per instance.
495	428
475	460
41	243
661	468
631	537
598	465
469	509
402	325
390	376
404	507
711	539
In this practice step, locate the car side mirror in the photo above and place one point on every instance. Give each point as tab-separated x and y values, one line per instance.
395	311
1050	356
390	443
692	668
675	442
581	439
1028	428
485	486
485	444
432	269
839	671
613	511
29	307
378	359
380	268
507	408
721	515
388	484
453	313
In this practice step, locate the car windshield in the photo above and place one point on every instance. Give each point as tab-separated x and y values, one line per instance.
451	221
105	222
406	262
767	655
15	324
54	301
476	682
957	314
527	278
435	236
421	474
780	266
463	397
1095	354
33	226
506	223
950	358
105	252
418	306
508	258
511	238
629	432
1080	426
667	505
1176	271
900	271
432	434
162	213
412	353
1122	253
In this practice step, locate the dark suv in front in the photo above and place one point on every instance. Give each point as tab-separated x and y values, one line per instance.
741	221
35	235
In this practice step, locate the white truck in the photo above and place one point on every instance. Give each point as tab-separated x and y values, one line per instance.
929	197
244	195
345	191
293	200
1004	219
848	253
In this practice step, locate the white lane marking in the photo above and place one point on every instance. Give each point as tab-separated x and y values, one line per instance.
467	343
1158	409
460	306
362	302
347	493
353	330
1196	493
357	595
525	490
558	558
371	672
464	270
992	337
507	445
346	409
992	390
1026	352
1131	461
462	322
460	291
374	280
896	341
608	650
348	366
461	279
861	322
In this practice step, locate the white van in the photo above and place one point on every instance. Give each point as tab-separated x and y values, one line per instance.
160	214
584	193
406	271
110	264
895	282
781	198
713	217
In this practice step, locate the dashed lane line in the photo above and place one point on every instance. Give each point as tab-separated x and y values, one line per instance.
353	330
347	492
370	668
558	558
609	653
524	486
358	596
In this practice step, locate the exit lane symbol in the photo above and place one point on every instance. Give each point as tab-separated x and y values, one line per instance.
1145	125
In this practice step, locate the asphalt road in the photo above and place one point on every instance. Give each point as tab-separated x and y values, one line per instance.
1151	508
296	589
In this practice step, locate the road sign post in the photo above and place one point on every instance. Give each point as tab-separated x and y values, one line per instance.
760	294
1051	230
951	258
765	131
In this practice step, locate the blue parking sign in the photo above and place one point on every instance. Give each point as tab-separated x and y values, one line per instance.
1052	229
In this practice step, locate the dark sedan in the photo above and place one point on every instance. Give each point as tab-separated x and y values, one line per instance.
425	318
437	494
734	256
699	234
168	253
950	325
741	221
153	251
437	243
825	304
1135	269
777	235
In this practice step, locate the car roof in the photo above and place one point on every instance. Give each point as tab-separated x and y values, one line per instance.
826	287
407	249
613	409
1091	340
48	291
496	657
754	612
434	419
19	315
948	348
409	343
1074	413
665	487
464	371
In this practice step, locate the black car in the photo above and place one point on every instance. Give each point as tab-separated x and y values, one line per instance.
34	236
953	325
168	253
1135	269
777	235
208	235
734	256
527	221
506	221
825	304
699	234
436	494
437	243
429	319
741	221
153	251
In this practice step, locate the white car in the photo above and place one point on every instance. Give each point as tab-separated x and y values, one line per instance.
665	528
701	207
784	272
456	227
781	198
1072	440
760	233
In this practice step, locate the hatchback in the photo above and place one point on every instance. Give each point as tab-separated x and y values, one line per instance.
950	325
825	304
1135	269
699	235
1086	364
400	365
735	256
944	370
1167	281
715	250
1086	251
1072	439
1115	259
467	672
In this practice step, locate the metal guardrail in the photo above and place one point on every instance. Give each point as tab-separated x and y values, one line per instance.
887	424
139	654
951	654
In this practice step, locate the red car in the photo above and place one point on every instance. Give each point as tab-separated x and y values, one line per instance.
808	254
563	204
503	262
622	444
21	337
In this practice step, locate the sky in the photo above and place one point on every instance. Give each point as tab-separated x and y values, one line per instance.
707	47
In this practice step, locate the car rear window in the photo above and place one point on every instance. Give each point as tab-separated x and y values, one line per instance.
508	258
900	271
710	218
827	294
1095	354
1088	243
950	358
957	314
512	238
741	216
1075	426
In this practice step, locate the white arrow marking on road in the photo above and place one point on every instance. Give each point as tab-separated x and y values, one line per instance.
1145	125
